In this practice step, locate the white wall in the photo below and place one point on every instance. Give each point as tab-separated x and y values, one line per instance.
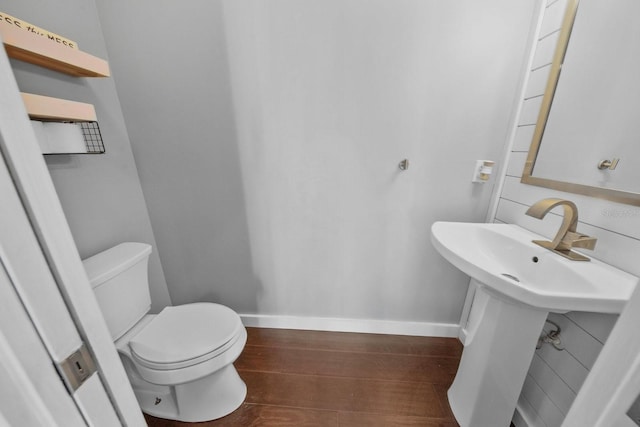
274	187
100	194
555	377
329	97
169	62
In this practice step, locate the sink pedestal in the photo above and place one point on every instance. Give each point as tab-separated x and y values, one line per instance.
498	350
520	282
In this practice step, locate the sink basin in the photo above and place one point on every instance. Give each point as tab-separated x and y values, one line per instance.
519	284
503	258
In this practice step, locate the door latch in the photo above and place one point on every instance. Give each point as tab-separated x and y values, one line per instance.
76	368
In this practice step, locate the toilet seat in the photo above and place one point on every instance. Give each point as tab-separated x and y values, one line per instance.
185	335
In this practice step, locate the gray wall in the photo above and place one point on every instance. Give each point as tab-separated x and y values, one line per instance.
328	228
100	194
170	67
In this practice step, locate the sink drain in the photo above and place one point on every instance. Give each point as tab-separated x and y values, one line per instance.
511	276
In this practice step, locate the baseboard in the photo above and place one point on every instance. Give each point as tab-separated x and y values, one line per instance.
462	335
393	327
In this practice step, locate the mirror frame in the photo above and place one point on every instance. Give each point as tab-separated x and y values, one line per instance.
618	196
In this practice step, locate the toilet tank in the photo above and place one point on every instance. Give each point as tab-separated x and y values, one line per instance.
120	282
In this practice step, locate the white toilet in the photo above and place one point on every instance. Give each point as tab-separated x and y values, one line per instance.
179	361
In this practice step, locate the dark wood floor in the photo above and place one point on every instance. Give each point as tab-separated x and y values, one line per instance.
308	378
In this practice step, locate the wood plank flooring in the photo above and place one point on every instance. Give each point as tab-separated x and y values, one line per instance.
334	379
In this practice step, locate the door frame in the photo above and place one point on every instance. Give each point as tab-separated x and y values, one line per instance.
614	381
30	175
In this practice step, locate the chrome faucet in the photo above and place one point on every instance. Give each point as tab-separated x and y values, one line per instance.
567	236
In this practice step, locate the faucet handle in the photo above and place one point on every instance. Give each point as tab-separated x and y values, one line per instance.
578	240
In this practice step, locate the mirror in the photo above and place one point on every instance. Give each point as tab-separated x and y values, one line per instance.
590	114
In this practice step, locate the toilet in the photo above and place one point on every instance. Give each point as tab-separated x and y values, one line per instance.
180	361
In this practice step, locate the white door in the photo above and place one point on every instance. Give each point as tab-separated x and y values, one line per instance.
31	393
47	308
37	329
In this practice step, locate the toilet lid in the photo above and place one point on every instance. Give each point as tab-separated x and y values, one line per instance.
186	332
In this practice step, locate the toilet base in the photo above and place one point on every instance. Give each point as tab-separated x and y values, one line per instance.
208	398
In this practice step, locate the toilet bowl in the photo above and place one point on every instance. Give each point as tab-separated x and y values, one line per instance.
179	362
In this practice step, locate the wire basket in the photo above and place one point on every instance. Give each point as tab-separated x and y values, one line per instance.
92	137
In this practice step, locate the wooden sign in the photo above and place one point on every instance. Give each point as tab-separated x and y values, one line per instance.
6	19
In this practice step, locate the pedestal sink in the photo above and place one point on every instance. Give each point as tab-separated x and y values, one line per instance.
520	283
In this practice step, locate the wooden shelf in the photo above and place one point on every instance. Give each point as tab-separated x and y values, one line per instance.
56	109
38	50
